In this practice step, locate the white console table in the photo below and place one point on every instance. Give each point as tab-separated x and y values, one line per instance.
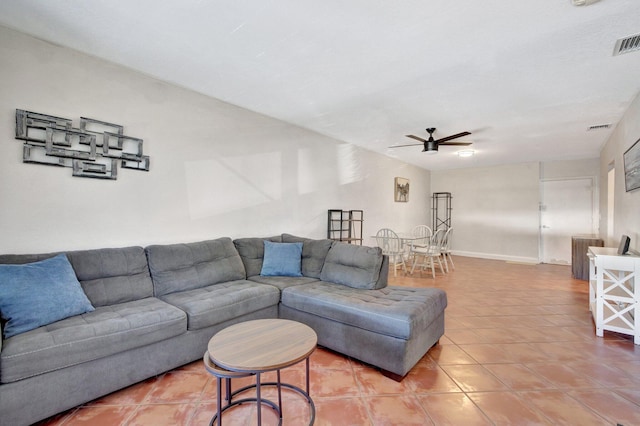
614	291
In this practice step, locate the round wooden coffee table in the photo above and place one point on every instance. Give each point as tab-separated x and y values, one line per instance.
259	346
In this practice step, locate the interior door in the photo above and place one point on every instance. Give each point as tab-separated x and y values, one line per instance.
567	209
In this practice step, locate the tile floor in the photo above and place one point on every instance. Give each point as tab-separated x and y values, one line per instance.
519	349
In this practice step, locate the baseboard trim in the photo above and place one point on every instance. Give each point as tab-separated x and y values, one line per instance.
492	256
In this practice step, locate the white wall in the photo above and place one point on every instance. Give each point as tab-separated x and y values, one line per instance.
587	168
626	204
495	210
216	169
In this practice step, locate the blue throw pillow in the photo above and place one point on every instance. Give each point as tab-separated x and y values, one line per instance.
282	259
39	293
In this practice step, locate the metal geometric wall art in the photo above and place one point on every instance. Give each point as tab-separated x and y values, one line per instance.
91	150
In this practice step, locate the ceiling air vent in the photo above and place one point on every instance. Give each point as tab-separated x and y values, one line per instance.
598	127
627	44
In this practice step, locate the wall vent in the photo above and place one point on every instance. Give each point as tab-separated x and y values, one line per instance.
598	127
627	44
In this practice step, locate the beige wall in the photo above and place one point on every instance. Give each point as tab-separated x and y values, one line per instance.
627	204
495	210
587	168
216	169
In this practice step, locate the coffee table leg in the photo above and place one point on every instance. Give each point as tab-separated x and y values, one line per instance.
279	395
219	396
308	376
259	399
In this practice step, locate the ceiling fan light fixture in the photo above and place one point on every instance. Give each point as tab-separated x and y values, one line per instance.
466	153
431	146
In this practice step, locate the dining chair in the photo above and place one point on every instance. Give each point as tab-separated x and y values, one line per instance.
391	246
422	232
445	249
429	251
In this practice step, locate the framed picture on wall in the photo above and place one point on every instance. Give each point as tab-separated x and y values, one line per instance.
632	167
401	190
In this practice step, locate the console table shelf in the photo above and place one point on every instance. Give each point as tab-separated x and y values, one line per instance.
614	296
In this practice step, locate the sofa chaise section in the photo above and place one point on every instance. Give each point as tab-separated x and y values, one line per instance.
354	312
343	295
391	328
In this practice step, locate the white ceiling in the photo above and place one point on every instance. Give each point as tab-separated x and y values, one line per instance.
526	77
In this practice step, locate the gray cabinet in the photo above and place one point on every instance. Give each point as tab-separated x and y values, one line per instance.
579	261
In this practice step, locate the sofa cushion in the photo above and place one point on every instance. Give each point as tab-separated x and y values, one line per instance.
314	253
180	267
282	259
353	266
108	275
251	251
214	304
282	282
103	332
113	275
39	293
394	311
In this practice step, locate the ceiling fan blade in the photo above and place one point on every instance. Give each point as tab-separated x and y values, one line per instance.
455	143
400	146
416	138
456	136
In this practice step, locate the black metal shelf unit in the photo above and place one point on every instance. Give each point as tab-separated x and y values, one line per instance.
441	210
345	226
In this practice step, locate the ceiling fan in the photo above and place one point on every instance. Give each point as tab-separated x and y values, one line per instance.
431	145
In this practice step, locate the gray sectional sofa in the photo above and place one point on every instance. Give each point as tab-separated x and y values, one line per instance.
157	307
